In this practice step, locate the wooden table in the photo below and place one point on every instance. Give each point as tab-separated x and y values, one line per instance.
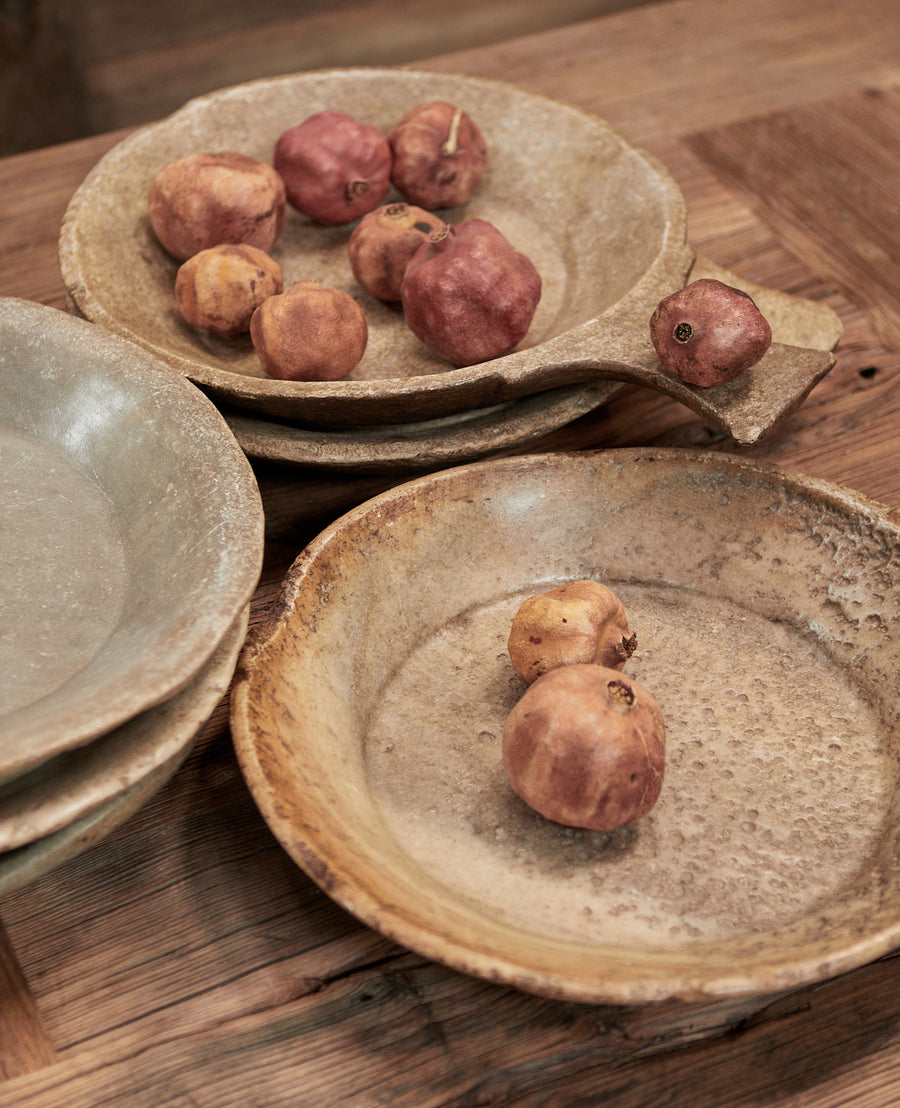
186	960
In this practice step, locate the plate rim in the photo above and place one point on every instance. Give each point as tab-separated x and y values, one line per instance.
168	726
391	450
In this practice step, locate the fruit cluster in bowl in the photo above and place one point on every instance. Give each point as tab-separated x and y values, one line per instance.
465	290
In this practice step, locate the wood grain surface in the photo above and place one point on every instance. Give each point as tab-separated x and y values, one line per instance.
186	961
810	173
23	1037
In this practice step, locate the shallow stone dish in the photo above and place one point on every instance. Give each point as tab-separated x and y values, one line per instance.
75	783
367	718
603	222
133	532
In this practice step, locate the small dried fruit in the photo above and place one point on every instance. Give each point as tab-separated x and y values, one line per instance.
219	288
382	244
335	168
439	155
309	333
708	332
206	199
585	746
581	622
469	294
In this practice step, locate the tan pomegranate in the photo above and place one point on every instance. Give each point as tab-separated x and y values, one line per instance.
219	288
583	621
207	199
585	747
309	333
382	244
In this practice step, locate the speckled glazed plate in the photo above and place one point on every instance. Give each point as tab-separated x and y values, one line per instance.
603	222
65	789
367	719
132	536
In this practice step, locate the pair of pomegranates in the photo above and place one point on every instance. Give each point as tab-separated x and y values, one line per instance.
337	168
466	291
585	745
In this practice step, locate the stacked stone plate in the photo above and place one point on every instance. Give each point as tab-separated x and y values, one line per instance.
130	547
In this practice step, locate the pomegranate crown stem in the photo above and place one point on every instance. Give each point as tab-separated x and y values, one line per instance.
452	143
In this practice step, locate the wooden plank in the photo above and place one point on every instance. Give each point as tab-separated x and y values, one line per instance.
812	172
161	892
36	187
41	96
142	84
415	1035
26	1046
661	70
411	1033
108	29
104	29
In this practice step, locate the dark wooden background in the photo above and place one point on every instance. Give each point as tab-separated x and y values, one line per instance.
71	68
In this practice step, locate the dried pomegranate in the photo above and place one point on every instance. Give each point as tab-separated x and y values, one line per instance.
383	242
469	294
439	155
204	200
708	332
309	333
218	289
585	746
335	169
582	621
